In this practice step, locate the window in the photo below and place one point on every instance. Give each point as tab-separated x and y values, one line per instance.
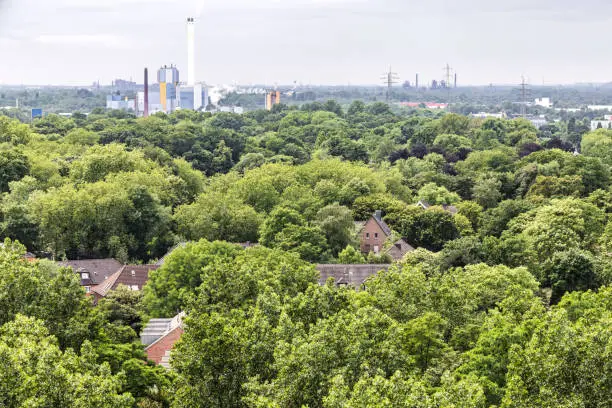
367	235
87	289
376	235
84	275
376	249
133	273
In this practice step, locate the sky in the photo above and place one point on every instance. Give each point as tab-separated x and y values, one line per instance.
331	42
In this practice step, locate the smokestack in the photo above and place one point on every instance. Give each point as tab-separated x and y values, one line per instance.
191	51
455	79
146	93
417	81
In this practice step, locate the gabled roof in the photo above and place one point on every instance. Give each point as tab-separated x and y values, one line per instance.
381	223
157	329
352	275
399	249
129	275
450	208
99	269
103	288
161	260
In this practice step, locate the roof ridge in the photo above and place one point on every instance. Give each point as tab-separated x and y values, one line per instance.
104	287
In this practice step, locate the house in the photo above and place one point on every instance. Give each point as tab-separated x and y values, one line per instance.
93	271
399	249
450	208
132	276
374	234
349	275
159	337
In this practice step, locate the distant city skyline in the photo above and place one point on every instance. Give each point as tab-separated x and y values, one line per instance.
318	42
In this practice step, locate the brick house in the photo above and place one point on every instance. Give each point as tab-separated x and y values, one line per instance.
373	235
159	337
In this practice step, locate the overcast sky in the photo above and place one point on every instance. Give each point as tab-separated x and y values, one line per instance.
308	41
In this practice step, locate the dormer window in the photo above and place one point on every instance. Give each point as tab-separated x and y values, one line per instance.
133	273
84	275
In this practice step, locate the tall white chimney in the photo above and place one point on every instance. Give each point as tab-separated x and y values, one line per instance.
191	51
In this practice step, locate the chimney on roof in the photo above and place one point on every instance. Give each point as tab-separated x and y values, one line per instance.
378	215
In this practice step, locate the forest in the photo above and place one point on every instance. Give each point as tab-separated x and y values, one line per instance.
504	303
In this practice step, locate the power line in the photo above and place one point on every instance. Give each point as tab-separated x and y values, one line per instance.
390	78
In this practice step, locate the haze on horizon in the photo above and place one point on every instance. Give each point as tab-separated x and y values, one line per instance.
339	42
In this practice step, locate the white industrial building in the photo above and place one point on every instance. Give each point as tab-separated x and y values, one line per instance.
544	102
600	107
601	124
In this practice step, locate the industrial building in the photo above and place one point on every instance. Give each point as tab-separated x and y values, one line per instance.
272	98
172	94
119	102
544	102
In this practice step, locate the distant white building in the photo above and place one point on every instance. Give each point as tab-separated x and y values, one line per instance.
572	110
485	115
544	102
538	122
599	107
601	124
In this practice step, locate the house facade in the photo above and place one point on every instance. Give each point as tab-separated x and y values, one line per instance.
374	234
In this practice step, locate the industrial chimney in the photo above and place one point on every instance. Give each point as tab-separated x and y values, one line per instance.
191	51
146	93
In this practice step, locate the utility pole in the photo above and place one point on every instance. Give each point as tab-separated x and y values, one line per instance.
525	92
390	78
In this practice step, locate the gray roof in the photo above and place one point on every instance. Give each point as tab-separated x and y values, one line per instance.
399	249
352	275
450	208
161	260
381	223
99	269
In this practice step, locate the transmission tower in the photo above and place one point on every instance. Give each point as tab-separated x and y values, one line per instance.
390	78
525	94
448	73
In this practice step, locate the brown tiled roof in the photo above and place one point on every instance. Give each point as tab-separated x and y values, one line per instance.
132	276
99	269
103	288
399	249
352	275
